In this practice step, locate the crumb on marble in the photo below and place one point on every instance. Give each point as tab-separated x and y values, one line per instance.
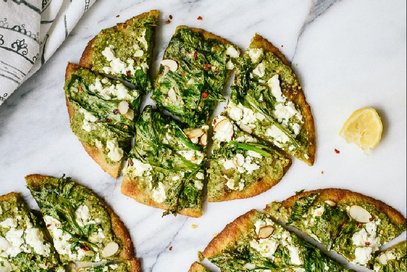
337	151
170	248
194	226
322	172
199	18
118	15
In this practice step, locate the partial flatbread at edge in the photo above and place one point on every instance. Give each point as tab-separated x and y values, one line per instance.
198	267
392	259
352	224
87	212
267	101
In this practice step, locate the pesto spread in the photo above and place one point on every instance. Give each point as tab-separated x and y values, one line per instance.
108	267
77	220
261	102
238	160
269	247
165	163
103	112
192	75
355	230
125	51
23	243
392	260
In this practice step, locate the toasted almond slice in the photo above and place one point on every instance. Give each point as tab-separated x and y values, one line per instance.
204	140
330	203
110	249
265	232
123	107
223	130
359	214
171	64
195	133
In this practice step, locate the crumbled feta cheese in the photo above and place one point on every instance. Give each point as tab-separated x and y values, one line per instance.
192	155
117	66
115	152
366	242
223	130
385	257
274	84
260	70
277	135
158	193
16	241
318	211
139	53
82	215
142	39
232	52
140	168
255	54
88	120
266	247
230	65
200	175
233	185
254	154
198	184
35	238
9	223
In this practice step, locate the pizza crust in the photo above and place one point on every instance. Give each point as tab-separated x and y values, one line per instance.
197	267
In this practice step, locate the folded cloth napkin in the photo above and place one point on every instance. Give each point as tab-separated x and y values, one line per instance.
30	32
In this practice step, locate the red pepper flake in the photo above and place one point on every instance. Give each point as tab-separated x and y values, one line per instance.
108	120
170	16
367	243
170	248
207	66
84	247
195	55
204	94
128	73
199	18
116	111
337	151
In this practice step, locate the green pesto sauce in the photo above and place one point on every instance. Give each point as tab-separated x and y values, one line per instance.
60	198
393	259
158	143
271	164
253	92
117	267
237	256
16	209
199	80
125	41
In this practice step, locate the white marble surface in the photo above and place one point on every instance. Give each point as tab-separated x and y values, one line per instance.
348	54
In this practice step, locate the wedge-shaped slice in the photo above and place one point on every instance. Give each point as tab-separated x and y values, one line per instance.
392	259
83	227
124	266
193	74
253	242
125	50
102	113
24	245
165	168
349	223
198	267
267	101
241	166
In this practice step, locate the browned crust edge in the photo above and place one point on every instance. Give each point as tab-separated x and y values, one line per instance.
260	186
10	196
232	232
131	189
345	196
96	154
119	229
86	57
206	34
299	98
197	267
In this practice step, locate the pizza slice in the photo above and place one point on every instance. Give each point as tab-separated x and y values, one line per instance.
198	267
392	259
193	74
24	244
253	242
102	113
351	224
125	50
241	166
83	227
267	101
165	168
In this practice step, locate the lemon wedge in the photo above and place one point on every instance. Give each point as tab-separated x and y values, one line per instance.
364	128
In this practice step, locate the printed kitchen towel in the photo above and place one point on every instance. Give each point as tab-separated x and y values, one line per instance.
30	32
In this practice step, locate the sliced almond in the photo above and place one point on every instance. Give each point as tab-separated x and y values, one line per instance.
110	249
123	107
223	130
204	140
171	64
330	203
130	114
195	133
265	232
359	214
